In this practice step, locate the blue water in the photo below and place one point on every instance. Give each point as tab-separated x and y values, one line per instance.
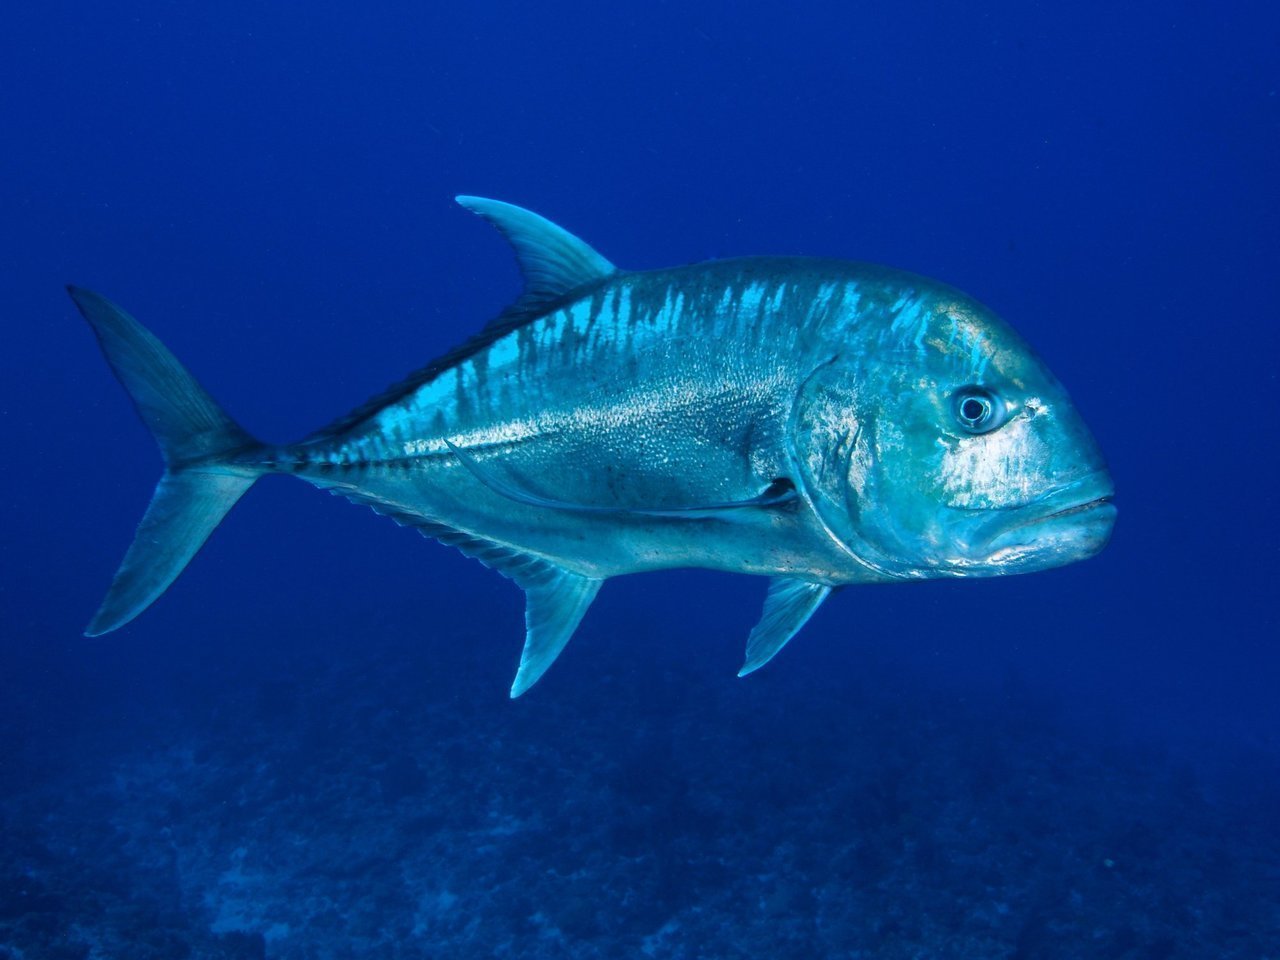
305	749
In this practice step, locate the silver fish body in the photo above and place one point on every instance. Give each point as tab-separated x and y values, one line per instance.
818	422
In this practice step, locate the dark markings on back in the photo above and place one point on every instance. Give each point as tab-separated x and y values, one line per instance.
519	314
733	273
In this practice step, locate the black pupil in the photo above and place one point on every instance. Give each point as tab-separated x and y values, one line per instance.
973	409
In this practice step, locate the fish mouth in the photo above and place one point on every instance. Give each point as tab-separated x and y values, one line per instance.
1071	511
1069	524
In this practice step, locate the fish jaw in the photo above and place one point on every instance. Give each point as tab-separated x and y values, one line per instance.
1072	523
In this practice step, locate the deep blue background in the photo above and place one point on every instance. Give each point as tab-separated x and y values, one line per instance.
268	187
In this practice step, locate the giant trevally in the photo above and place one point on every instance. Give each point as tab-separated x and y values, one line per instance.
817	422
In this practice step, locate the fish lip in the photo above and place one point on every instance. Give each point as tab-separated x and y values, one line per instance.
1089	499
1083	506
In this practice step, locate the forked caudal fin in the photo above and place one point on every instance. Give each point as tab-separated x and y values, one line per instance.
197	441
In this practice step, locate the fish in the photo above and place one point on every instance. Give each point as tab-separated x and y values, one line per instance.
819	422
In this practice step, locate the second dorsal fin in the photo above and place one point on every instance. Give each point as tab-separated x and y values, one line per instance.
552	259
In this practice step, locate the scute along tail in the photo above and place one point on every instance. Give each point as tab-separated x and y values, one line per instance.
197	441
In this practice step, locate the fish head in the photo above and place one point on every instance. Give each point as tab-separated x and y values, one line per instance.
939	444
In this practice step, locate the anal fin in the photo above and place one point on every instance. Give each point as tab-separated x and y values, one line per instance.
556	599
787	607
553	609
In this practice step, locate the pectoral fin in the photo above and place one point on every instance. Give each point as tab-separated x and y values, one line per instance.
787	607
779	492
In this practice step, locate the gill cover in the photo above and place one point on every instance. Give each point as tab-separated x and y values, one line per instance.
834	447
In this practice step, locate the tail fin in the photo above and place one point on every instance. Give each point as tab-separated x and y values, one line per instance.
197	440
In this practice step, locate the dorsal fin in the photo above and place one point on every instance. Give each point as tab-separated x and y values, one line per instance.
554	263
552	259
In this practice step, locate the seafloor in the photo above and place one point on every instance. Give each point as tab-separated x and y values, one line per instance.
365	804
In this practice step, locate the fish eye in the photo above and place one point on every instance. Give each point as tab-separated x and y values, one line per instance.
977	410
